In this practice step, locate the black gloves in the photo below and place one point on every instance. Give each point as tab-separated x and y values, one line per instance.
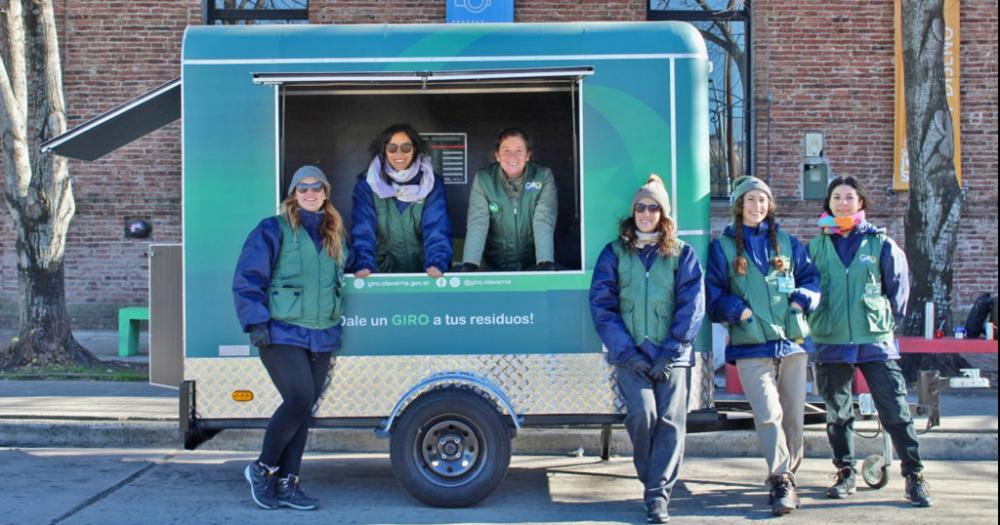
465	267
260	336
546	266
639	365
661	369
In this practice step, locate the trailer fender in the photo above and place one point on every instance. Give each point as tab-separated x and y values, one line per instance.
473	382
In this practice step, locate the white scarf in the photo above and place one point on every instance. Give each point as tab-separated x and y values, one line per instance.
397	187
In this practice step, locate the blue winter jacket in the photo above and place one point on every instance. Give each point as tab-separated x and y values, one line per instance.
895	286
434	222
724	307
689	308
253	275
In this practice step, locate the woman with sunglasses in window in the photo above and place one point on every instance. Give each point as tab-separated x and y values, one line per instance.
512	211
866	286
399	219
287	290
647	301
761	284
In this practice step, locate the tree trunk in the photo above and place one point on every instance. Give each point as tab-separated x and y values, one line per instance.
37	187
935	200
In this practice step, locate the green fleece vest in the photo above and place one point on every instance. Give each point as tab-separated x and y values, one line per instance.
773	319
399	245
646	298
510	243
853	309
305	287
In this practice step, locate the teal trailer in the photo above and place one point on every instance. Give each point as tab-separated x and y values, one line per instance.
448	369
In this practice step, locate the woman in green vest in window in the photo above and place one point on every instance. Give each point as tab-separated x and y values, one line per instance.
647	299
399	218
287	290
866	285
512	211
761	284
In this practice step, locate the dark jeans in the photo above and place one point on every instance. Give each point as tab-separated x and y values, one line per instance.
299	376
656	423
888	389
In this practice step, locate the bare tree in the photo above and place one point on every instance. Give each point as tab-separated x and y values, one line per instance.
37	186
935	199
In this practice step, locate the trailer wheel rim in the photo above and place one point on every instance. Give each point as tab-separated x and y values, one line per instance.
449	451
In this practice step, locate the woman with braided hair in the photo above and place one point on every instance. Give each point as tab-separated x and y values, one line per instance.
761	283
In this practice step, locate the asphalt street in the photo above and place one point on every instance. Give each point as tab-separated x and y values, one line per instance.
53	486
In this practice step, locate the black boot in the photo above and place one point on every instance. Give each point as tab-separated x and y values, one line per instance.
782	496
844	486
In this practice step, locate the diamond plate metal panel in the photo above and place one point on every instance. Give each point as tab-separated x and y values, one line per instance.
369	386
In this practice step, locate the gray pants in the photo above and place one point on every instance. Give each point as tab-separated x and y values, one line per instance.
656	424
776	391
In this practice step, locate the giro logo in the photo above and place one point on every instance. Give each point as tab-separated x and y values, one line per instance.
473	6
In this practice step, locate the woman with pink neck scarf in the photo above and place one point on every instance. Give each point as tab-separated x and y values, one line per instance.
865	287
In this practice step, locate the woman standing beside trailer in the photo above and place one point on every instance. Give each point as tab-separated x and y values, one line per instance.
399	219
647	302
512	211
761	283
866	287
287	291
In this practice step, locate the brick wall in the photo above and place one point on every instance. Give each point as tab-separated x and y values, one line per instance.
818	66
829	67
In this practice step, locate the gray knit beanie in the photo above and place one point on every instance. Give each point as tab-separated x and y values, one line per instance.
748	183
654	189
306	172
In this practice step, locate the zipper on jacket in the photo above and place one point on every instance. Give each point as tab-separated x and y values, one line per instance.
645	305
847	286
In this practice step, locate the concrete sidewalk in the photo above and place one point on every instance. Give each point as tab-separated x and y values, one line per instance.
129	414
128	486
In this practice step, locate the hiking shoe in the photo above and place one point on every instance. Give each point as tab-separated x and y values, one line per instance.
290	494
917	491
263	485
656	511
782	496
845	484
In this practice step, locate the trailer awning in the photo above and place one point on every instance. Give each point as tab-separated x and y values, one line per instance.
113	129
427	81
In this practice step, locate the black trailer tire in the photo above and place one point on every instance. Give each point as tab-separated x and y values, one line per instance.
451	448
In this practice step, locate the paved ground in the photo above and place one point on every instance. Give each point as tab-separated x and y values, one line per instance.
114	486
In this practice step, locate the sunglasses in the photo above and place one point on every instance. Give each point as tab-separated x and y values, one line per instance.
315	187
405	147
641	208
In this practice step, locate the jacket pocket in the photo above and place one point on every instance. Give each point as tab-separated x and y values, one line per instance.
286	303
338	304
878	314
796	326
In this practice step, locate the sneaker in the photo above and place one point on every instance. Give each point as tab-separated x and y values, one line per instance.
917	491
262	485
845	484
782	496
290	494
656	511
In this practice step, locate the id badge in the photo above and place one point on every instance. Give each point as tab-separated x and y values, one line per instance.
786	284
873	289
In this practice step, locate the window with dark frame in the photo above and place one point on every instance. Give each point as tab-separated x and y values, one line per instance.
251	12
725	26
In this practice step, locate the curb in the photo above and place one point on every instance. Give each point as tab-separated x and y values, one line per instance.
50	433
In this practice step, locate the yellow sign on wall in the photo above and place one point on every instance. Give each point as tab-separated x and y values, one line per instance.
901	162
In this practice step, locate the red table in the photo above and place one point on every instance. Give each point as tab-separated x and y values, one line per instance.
907	345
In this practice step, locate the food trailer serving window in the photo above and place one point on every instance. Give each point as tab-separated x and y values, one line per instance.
330	119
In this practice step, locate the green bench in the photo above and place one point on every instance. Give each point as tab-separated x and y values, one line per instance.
128	329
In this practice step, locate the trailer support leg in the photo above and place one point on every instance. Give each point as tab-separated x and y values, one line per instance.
605	442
